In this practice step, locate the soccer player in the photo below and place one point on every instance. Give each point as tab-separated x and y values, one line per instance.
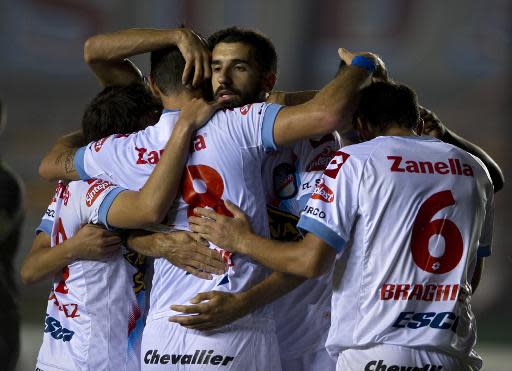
248	132
11	219
241	75
244	68
245	63
86	329
411	216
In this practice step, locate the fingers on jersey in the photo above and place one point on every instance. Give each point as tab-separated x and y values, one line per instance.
235	210
200	240
207	311
198	260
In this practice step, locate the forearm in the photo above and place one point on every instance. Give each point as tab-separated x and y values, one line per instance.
270	289
162	186
291	98
495	172
43	262
340	96
58	162
72	140
106	53
286	257
143	242
331	109
150	204
126	43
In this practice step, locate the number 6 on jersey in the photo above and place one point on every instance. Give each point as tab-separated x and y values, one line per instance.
424	228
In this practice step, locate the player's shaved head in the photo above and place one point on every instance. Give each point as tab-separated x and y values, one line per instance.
388	103
263	49
120	110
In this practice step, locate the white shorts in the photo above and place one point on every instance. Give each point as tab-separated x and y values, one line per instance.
251	346
395	358
312	361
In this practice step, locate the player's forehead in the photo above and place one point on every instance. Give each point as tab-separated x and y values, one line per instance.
232	52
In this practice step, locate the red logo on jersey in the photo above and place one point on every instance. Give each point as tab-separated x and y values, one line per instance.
326	138
323	193
454	167
245	109
320	162
423	292
95	190
199	143
97	145
148	157
336	163
62	192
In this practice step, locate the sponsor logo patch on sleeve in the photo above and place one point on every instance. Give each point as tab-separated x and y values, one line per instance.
95	190
323	193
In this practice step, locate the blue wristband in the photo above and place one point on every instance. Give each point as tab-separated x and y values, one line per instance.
363	62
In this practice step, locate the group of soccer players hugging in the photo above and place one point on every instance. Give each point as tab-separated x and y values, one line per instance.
202	220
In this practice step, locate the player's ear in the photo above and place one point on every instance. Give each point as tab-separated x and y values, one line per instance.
363	129
420	127
154	87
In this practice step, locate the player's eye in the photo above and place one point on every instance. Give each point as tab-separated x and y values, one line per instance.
240	68
216	68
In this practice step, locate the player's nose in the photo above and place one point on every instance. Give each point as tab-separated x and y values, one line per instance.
224	77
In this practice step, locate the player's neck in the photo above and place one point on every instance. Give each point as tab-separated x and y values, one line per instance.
178	100
397	131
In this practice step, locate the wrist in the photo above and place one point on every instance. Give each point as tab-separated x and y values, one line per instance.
243	243
364	62
244	302
160	245
179	35
71	250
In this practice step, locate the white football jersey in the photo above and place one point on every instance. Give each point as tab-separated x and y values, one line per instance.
224	163
94	314
290	175
409	214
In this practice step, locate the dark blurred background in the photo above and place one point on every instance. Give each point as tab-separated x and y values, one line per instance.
455	54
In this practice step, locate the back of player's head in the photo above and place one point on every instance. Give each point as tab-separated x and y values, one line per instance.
119	110
387	103
263	49
167	67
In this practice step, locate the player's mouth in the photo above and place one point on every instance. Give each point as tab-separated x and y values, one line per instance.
225	95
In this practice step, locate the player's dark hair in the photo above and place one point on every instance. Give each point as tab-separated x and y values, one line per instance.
386	103
167	66
118	110
263	49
